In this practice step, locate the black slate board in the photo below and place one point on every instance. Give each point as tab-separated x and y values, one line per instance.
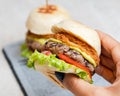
34	83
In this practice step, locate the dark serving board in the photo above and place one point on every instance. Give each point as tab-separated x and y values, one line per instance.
34	83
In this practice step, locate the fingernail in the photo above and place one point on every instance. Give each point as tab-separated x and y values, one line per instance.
60	76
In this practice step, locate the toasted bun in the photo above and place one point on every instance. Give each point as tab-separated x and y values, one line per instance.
89	41
41	19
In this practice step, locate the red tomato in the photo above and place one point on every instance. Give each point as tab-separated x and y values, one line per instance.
73	62
46	52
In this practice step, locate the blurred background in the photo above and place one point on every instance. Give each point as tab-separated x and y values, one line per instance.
99	14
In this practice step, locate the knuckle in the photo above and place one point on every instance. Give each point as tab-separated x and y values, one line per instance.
70	81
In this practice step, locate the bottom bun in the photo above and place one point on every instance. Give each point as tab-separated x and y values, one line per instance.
49	73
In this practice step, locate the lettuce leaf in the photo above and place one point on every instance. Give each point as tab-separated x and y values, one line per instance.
60	65
25	52
51	60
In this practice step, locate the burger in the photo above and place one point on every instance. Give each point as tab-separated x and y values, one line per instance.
67	47
71	48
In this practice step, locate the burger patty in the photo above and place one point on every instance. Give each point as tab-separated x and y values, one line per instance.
56	48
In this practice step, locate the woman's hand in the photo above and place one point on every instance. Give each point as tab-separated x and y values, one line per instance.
109	69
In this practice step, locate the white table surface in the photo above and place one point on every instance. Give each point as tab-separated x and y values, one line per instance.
99	14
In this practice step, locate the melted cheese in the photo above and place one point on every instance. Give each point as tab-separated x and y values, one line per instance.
86	56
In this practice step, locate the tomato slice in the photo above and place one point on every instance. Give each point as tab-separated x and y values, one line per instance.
47	53
73	62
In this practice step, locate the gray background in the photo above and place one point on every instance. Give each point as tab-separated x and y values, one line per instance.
99	14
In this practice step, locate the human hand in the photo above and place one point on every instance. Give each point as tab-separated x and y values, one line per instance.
109	69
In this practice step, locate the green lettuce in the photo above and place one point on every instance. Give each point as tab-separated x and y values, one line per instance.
83	75
25	52
51	60
60	65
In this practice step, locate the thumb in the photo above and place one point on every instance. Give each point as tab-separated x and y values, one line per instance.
77	86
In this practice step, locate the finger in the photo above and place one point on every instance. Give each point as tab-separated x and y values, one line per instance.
107	62
77	86
105	53
118	70
111	46
105	73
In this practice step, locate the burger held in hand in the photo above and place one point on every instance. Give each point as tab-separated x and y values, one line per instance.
61	45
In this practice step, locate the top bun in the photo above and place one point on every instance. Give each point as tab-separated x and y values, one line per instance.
41	19
80	31
80	36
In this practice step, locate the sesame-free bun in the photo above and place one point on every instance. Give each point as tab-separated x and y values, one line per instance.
85	38
41	19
